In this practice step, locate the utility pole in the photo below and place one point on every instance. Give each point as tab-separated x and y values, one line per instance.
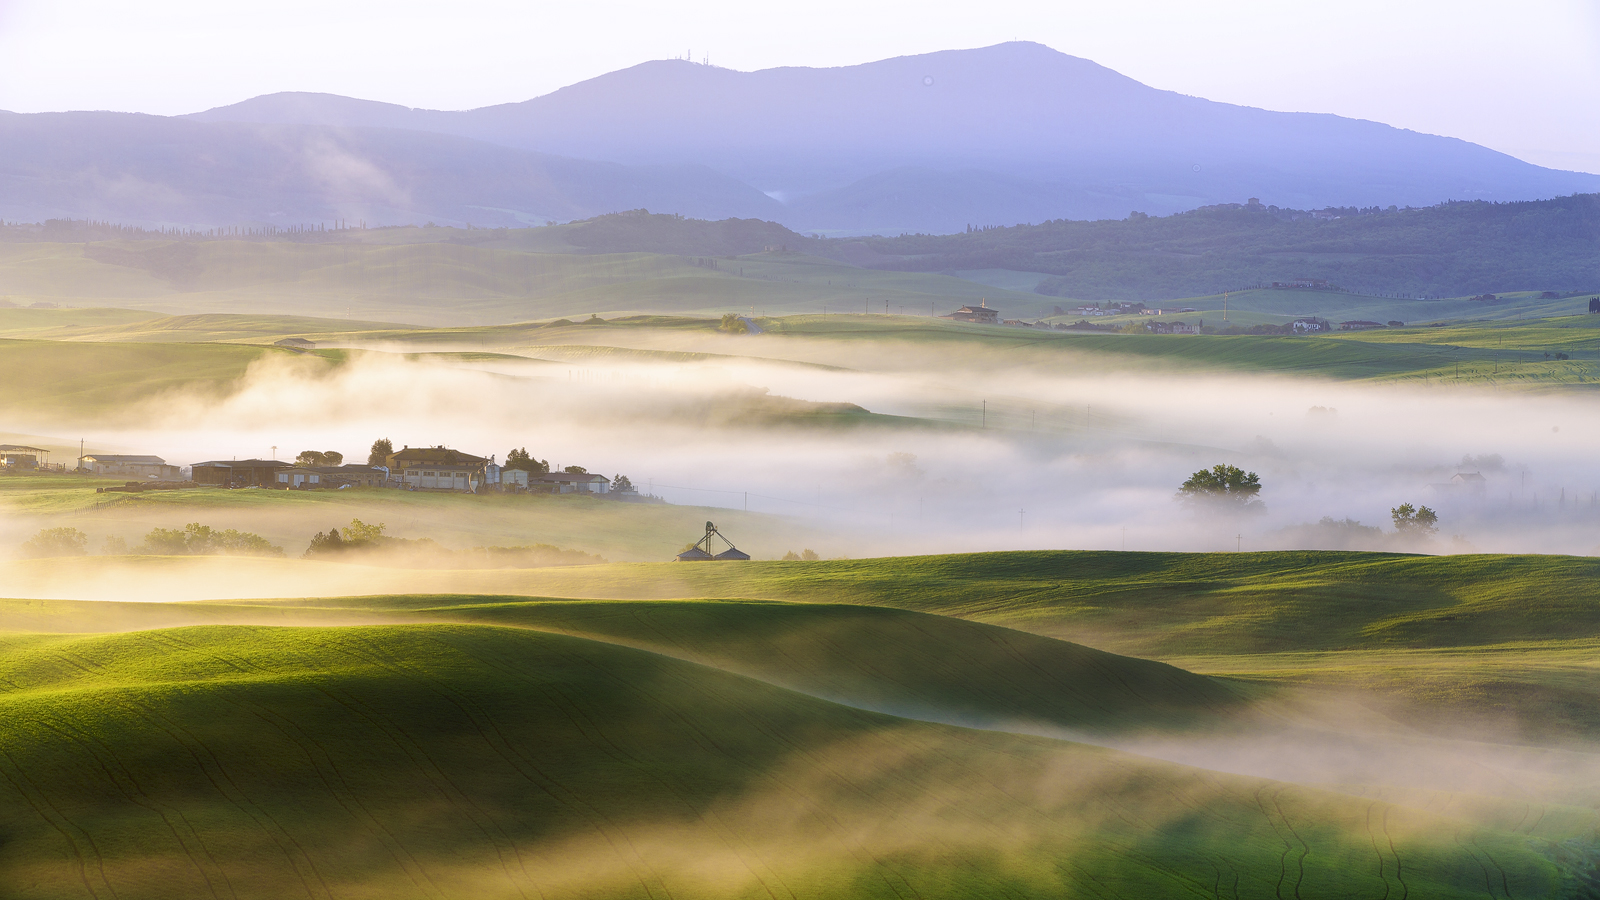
984	422
274	451
1238	545
1019	519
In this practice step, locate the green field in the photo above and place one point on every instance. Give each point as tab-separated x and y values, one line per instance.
460	285
847	729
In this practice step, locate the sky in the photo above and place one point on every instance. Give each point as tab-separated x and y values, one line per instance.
1522	78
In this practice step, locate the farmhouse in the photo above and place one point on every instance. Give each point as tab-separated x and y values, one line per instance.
15	456
354	474
980	314
1170	328
437	469
1308	325
298	476
569	483
239	472
134	466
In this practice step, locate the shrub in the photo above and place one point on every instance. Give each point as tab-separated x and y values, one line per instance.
56	542
202	540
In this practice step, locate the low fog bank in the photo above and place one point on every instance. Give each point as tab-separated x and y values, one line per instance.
1000	459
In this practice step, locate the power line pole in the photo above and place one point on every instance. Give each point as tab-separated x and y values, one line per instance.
1238	546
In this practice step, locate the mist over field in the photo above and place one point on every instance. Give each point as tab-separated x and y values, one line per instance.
953	474
982	456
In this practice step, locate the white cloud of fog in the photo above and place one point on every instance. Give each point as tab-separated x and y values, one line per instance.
1068	460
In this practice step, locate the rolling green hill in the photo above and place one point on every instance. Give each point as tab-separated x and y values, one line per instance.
461	761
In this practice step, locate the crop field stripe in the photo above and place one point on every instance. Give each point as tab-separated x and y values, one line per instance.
40	804
297	858
580	720
451	792
128	786
322	762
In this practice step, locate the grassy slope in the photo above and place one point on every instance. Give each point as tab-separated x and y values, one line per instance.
924	666
452	284
1160	604
1506	354
93	378
617	531
456	761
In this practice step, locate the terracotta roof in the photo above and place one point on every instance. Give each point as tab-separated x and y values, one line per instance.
437	456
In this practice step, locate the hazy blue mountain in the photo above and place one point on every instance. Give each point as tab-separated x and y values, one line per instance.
1010	133
151	170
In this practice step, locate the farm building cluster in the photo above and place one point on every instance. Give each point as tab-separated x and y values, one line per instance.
436	468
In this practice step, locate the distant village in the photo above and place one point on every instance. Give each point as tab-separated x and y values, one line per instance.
984	314
437	468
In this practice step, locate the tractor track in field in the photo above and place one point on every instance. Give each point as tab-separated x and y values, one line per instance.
323	764
1376	852
297	857
1305	848
128	786
1399	872
42	807
431	771
1283	859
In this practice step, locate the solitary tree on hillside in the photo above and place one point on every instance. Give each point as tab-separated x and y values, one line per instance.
1222	486
1412	521
381	448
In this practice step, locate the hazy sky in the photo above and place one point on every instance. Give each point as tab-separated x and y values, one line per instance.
1520	77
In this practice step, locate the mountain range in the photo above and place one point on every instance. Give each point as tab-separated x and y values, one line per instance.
932	143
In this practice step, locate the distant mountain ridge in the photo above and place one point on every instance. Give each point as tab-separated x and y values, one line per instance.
931	143
1011	133
152	170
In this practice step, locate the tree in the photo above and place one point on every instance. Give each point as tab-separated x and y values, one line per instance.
203	540
361	534
621	483
379	455
575	470
1414	521
319	458
327	542
57	542
521	459
358	535
732	324
1222	485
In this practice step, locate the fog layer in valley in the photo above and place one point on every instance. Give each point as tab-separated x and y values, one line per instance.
983	456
